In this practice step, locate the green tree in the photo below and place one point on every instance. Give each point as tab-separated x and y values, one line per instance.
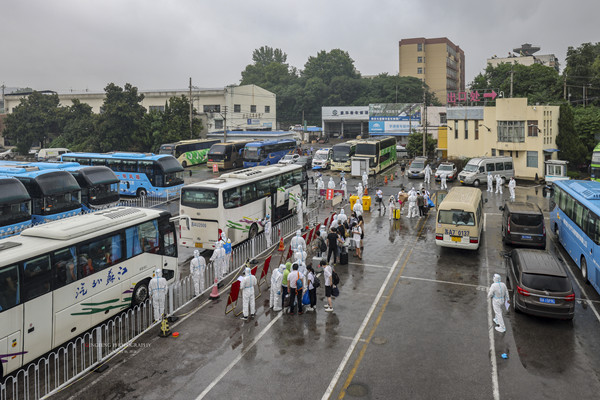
119	125
327	65
267	55
586	122
583	70
79	132
386	88
415	144
571	147
37	119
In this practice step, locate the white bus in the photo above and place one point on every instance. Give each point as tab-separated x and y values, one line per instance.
459	221
342	155
59	279
237	202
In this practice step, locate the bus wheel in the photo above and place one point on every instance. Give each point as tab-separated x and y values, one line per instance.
476	183
184	164
142	192
140	293
584	271
268	162
253	231
234	165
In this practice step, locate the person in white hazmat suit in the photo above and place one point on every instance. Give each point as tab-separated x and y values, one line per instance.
490	182
359	189
248	301
226	245
443	178
412	205
427	172
342	217
218	259
158	293
197	268
331	184
268	231
499	295
365	180
275	292
358	208
391	206
300	212
511	188
300	259
498	184
343	186
297	240
320	186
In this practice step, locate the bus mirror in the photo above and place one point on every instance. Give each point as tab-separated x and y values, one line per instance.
188	221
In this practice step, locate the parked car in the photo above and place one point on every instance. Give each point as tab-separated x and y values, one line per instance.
305	161
540	284
417	168
52	154
523	224
447	168
7	154
289	159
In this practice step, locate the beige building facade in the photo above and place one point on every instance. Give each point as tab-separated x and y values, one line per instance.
247	107
511	128
438	62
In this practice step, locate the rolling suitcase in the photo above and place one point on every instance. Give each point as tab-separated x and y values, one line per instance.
397	213
343	256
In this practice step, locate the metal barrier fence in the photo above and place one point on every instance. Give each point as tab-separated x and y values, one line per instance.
148	201
87	352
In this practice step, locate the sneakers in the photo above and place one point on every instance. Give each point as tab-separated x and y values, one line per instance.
329	309
252	315
500	329
495	321
310	309
244	318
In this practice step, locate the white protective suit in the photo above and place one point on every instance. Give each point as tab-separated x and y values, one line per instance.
268	231
365	179
498	184
218	259
197	268
275	292
158	292
490	182
358	208
342	217
499	295
296	241
226	244
247	287
320	183
343	186
391	206
359	189
427	172
412	206
300	212
331	184
511	188
412	191
443	181
300	259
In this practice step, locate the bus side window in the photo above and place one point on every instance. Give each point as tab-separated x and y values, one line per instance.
499	166
232	198
133	244
508	166
263	188
248	193
64	269
36	277
149	237
9	287
489	167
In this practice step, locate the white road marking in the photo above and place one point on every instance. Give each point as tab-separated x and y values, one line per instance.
495	386
238	358
484	221
369	265
349	338
478	287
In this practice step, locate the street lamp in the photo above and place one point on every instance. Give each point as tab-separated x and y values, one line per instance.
486	127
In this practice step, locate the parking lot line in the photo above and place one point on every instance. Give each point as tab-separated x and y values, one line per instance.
478	287
495	385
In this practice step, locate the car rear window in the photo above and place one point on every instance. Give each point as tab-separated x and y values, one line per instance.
526	219
546	282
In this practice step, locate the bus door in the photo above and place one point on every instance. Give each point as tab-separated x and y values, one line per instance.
440	195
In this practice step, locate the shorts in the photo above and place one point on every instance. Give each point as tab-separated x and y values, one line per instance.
327	291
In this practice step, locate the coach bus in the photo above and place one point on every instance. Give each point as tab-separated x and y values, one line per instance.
54	194
60	279
575	220
189	152
237	202
342	155
227	155
267	152
140	174
15	207
381	152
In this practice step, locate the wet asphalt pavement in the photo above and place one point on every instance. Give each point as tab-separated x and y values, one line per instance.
412	321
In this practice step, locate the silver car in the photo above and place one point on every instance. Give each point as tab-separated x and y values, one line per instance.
417	168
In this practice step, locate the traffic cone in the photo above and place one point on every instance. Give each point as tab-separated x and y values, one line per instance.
385	180
214	295
392	177
281	244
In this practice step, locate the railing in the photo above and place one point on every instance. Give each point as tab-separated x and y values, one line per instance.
148	201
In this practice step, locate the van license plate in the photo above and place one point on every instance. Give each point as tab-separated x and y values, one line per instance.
462	181
198	245
525	237
547	301
456	239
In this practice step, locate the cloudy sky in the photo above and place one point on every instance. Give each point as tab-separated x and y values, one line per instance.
76	45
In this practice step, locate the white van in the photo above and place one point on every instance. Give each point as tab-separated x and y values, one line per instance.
51	154
476	170
322	158
460	219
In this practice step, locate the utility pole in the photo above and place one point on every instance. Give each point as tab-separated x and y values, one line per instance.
191	111
424	118
511	82
565	87
225	124
3	106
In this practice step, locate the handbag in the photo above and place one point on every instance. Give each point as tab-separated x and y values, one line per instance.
335	292
306	298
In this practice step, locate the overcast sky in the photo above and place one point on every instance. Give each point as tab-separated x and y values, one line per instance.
67	45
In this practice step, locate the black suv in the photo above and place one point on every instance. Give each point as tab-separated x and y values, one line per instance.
523	224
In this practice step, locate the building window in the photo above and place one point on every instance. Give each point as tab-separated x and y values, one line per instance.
476	130
532	159
532	128
419	46
500	152
511	131
466	129
237	108
267	109
210	108
253	108
493	152
419	70
156	108
218	124
443	120
455	129
419	59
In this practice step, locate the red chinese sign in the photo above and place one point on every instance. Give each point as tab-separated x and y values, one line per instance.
329	195
473	97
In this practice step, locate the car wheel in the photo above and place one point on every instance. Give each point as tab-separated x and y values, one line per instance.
140	293
253	231
476	182
584	271
234	165
142	192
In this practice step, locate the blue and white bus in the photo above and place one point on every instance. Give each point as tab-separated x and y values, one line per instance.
575	220
54	194
140	174
267	152
15	207
99	185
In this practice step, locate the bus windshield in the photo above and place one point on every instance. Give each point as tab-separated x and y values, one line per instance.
102	194
596	157
470	168
368	149
167	149
200	198
456	217
341	153
61	202
252	154
14	213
